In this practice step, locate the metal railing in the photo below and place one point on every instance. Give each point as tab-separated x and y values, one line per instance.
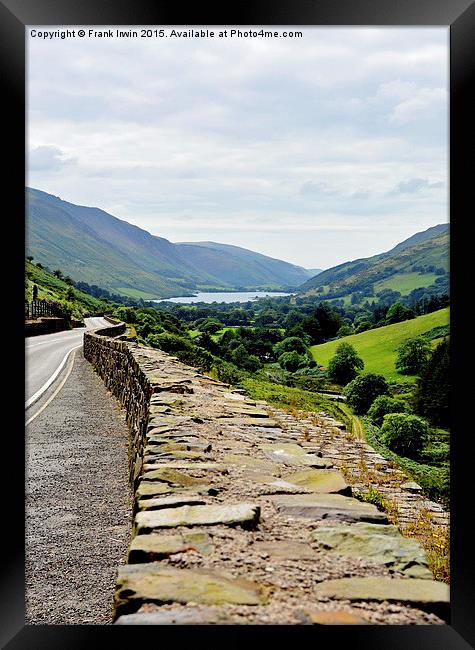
37	308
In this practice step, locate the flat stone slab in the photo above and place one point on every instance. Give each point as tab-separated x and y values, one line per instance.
174	501
293	454
188	616
144	502
427	594
320	481
153	583
168	422
172	476
157	445
248	411
275	484
380	544
157	404
160	453
254	422
285	550
328	506
245	515
152	489
333	617
153	547
411	486
244	460
208	467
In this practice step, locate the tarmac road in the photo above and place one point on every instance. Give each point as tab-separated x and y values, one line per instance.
46	359
78	503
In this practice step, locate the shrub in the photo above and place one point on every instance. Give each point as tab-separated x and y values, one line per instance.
168	342
197	357
404	434
383	405
345	364
227	372
412	356
363	390
363	326
313	384
345	330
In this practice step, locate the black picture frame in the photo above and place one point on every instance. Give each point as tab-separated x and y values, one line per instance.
459	17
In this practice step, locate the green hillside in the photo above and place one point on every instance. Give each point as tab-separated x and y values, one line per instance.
56	290
416	262
97	248
377	347
240	266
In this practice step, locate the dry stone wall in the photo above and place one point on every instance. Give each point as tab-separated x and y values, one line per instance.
246	515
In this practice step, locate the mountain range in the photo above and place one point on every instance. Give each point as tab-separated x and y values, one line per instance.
95	247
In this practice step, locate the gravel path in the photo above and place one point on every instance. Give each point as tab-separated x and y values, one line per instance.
78	503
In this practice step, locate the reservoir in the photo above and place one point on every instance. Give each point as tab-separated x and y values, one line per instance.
237	296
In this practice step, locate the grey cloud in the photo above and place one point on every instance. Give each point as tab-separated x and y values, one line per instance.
413	185
48	158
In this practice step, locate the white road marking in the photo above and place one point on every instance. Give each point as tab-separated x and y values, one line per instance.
55	392
33	345
47	384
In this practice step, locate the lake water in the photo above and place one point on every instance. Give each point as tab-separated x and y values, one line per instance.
238	296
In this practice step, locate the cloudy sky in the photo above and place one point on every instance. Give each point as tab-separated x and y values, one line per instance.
314	150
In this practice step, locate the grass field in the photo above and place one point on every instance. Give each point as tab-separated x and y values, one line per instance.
406	282
377	347
135	293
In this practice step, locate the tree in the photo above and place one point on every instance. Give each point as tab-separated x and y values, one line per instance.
35	292
70	293
289	344
205	341
412	355
433	389
241	357
267	317
210	325
397	313
383	405
58	274
404	434
363	390
292	361
345	364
